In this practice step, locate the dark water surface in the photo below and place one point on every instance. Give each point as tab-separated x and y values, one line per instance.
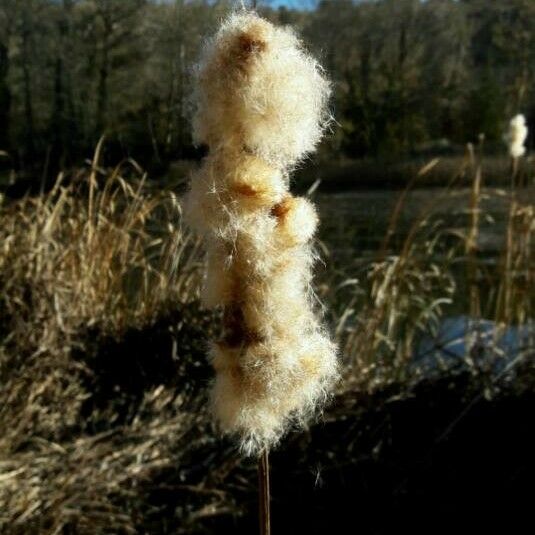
354	224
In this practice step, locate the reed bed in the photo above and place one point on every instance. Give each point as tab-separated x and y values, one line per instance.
439	271
96	258
102	346
98	248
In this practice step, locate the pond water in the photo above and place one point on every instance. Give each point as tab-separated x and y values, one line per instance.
355	223
353	228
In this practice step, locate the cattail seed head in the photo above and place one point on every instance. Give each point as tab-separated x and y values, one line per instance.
257	88
261	106
516	136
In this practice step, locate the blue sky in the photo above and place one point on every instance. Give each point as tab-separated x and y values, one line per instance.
288	3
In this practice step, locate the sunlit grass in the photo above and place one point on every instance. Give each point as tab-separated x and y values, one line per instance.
102	257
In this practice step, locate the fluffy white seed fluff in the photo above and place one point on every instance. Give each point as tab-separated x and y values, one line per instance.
258	86
261	106
516	136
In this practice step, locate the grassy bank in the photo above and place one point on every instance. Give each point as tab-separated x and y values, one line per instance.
431	171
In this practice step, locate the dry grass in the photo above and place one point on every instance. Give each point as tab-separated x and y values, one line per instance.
102	345
438	271
97	257
84	485
98	250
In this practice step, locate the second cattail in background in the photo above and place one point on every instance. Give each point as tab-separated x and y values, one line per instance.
516	136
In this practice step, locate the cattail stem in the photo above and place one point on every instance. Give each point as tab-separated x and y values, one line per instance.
263	493
471	245
514	172
504	300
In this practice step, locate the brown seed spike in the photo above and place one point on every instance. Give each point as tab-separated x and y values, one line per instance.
245	190
236	333
281	209
249	45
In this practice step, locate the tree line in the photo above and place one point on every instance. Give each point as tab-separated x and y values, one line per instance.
409	75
